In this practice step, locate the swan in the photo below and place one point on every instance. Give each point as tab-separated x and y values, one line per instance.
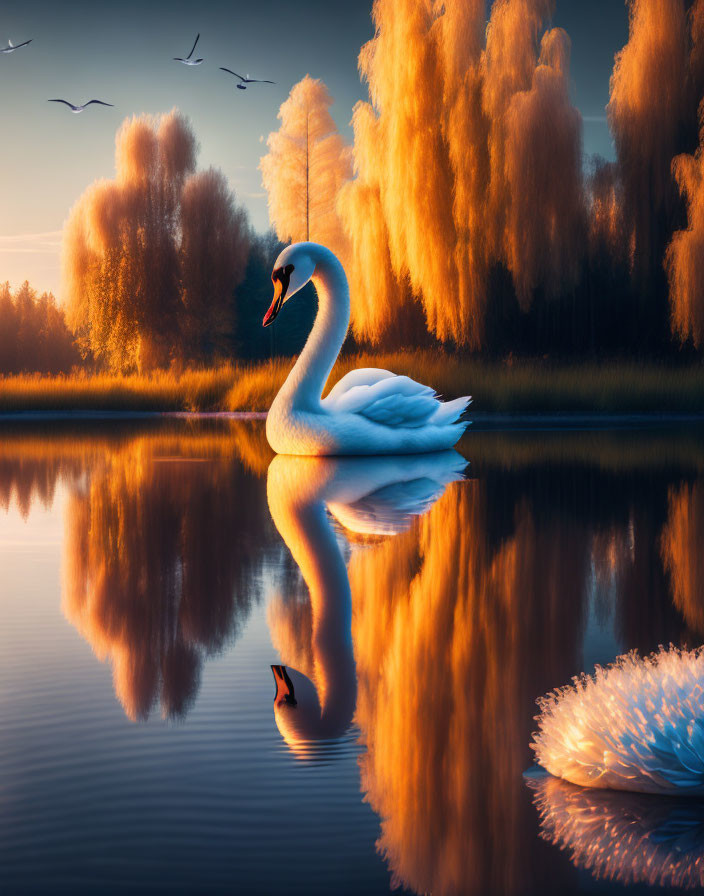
629	838
636	725
372	496
369	411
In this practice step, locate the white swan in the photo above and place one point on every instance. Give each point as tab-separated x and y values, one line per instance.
370	411
635	725
368	495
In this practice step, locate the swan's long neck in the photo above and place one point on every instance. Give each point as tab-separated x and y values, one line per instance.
306	382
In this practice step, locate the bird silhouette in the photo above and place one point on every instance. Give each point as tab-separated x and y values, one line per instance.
10	48
188	60
246	80
77	109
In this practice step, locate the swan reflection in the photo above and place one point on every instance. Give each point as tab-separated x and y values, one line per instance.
629	838
369	497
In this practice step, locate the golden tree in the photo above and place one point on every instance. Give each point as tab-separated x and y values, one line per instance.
305	167
468	156
151	258
685	254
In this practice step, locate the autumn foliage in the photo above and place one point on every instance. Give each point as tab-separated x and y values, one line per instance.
34	337
464	210
151	258
470	201
305	167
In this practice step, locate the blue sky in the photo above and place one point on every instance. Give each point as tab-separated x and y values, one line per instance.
122	53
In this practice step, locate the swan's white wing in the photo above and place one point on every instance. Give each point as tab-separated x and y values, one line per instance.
397	401
450	411
365	376
394	401
401	410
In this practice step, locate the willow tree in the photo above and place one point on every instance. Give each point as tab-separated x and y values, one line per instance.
467	158
305	167
151	258
684	259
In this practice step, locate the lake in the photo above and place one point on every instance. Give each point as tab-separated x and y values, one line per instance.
413	609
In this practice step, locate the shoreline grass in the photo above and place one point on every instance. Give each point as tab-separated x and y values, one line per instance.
532	387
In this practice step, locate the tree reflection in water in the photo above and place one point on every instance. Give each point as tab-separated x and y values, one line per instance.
457	624
453	637
683	551
161	551
460	624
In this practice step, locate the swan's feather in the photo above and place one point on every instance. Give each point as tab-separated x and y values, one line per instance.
401	410
392	400
450	411
365	376
362	399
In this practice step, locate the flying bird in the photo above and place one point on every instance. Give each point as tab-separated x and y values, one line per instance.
188	60
77	109
10	48
246	80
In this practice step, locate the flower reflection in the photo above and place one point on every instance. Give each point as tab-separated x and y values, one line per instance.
454	630
158	564
368	496
627	838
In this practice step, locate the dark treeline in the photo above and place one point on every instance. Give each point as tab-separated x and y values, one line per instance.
249	340
34	337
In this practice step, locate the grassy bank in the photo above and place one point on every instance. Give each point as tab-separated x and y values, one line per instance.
521	387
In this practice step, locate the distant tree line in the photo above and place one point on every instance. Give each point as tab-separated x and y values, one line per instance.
463	212
34	336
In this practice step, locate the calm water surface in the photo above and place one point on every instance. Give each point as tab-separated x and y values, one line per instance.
151	576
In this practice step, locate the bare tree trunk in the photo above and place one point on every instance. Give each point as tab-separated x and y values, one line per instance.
307	178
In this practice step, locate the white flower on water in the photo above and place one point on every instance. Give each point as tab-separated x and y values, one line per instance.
637	724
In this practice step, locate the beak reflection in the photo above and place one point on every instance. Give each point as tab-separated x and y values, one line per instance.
284	687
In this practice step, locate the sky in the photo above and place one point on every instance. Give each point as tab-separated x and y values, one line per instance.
122	53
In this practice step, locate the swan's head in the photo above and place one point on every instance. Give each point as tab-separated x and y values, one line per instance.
292	270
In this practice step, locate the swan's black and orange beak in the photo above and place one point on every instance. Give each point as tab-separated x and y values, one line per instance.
281	278
284	687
